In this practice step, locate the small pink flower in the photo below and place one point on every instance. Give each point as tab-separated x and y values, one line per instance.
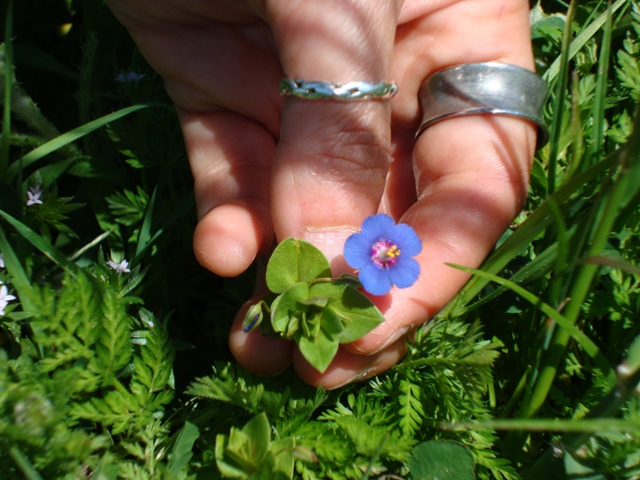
34	195
5	298
122	267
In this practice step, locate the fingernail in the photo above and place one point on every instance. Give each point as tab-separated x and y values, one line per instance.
367	372
389	341
330	241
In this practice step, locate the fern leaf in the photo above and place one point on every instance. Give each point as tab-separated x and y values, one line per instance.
153	368
226	387
114	350
411	411
128	207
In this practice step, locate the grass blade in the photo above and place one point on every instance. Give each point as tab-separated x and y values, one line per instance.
624	188
558	104
591	425
144	236
67	138
535	224
581	40
580	337
19	278
51	252
8	89
25	466
599	102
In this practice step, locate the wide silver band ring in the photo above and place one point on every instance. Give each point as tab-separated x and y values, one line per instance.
345	92
484	88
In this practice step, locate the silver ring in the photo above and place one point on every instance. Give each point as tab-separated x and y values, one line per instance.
345	92
480	88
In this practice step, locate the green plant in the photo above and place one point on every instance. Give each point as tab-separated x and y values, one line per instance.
113	356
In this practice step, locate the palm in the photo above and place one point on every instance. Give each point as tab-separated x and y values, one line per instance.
266	168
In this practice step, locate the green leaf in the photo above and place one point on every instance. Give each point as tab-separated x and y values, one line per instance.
107	468
295	261
285	307
441	460
283	451
128	207
319	351
575	469
411	411
321	316
355	312
244	451
259	432
183	448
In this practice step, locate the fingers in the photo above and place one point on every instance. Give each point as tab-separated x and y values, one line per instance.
348	367
332	158
265	355
438	34
211	55
202	51
471	173
230	159
259	354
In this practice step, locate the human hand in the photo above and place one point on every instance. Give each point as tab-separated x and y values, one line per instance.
267	168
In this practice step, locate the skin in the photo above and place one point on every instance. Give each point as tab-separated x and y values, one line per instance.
266	168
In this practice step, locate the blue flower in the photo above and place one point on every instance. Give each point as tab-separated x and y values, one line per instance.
130	77
382	252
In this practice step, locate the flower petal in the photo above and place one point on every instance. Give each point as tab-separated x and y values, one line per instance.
378	226
357	250
405	272
375	280
407	240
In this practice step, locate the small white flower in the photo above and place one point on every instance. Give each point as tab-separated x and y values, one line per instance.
625	370
34	195
122	267
1	260
130	77
5	298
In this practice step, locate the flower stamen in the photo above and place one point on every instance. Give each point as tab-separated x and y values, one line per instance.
384	254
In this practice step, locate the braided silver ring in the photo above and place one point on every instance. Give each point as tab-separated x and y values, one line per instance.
481	88
345	92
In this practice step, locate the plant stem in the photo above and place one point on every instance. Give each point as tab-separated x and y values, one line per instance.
24	464
8	84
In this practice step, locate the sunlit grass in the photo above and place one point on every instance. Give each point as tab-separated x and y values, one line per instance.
530	372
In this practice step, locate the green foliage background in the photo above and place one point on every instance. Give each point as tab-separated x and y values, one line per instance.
531	372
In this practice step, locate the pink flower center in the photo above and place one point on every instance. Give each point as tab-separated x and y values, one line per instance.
384	254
